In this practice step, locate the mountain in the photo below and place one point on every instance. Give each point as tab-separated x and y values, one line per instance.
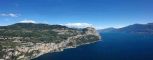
138	28
25	41
135	28
107	30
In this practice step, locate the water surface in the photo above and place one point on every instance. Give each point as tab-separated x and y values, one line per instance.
114	46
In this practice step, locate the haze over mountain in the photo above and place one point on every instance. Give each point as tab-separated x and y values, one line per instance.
135	28
138	28
111	29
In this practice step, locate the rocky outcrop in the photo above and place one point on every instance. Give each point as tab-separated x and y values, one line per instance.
30	50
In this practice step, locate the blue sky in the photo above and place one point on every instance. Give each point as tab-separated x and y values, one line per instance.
100	13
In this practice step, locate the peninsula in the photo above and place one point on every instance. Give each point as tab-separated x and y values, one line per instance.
25	41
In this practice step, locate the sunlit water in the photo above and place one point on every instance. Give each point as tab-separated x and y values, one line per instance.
114	46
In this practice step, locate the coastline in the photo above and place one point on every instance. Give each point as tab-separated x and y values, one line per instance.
69	47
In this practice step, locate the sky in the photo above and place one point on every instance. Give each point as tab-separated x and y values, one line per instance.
98	13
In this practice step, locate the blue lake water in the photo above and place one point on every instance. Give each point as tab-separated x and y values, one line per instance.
114	46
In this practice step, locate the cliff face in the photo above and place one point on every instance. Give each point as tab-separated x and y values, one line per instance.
23	47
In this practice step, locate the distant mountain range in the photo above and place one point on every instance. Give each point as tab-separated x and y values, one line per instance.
135	28
107	30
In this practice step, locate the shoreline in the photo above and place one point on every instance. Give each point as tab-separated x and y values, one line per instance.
69	47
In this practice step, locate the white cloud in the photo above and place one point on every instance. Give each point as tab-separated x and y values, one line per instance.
8	15
28	21
78	25
12	15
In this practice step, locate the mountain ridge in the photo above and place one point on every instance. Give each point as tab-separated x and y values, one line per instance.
135	28
25	41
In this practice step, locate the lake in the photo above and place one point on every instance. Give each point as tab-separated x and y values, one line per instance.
114	46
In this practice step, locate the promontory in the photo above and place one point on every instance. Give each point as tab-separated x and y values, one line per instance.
25	41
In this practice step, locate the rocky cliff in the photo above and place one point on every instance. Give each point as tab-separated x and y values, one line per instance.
27	41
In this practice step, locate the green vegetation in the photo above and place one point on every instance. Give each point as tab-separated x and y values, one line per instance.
88	38
36	32
29	35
